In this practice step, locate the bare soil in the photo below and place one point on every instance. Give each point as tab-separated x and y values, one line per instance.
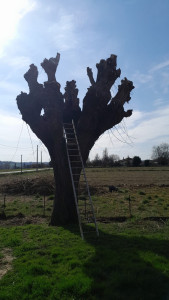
6	261
22	220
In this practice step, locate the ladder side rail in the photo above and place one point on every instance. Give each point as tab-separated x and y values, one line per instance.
87	186
74	191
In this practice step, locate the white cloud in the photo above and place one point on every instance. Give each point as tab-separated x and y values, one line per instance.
11	13
160	66
143	132
63	32
140	78
136	117
15	140
153	126
10	87
19	62
165	82
158	102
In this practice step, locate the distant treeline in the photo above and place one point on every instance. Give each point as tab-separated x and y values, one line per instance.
114	160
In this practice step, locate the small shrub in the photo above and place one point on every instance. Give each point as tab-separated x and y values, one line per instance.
51	197
141	208
145	201
142	193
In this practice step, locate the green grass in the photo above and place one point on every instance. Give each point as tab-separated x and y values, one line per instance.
130	259
54	263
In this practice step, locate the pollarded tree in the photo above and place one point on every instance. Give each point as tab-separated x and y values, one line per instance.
45	109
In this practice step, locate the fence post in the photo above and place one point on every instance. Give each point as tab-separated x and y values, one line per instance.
44	204
4	200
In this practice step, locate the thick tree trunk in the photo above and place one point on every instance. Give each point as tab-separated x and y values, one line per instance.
64	209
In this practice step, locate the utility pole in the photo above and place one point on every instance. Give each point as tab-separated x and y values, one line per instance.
41	159
21	163
37	160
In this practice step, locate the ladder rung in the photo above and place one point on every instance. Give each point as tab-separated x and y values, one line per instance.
75	174
85	205
87	213
89	220
76	167
85	221
67	134
90	231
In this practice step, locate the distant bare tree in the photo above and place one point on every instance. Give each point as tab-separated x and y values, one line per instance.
161	153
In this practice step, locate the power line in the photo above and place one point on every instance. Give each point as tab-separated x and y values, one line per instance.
126	131
110	138
30	140
124	141
18	142
41	144
11	147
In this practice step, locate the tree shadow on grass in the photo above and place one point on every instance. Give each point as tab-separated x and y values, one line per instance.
127	267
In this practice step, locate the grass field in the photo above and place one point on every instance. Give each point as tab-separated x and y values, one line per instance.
130	259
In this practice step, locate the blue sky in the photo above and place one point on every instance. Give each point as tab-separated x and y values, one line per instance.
85	32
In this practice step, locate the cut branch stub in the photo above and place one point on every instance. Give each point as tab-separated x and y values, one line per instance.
50	67
90	75
31	77
71	93
107	73
124	89
71	107
128	113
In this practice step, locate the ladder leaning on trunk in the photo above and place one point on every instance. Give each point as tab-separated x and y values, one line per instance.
84	205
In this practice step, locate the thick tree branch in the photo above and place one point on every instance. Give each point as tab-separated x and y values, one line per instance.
72	109
101	115
90	75
50	67
31	77
98	95
30	105
71	93
124	90
107	72
128	113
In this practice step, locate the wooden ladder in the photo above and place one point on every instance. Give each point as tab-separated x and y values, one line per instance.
84	205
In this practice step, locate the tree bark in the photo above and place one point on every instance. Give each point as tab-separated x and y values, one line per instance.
100	112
